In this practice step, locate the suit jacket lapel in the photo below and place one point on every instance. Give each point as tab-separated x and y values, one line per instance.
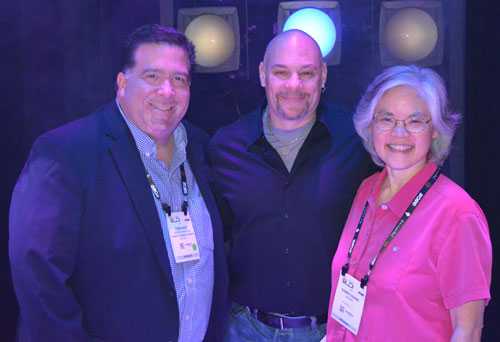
131	169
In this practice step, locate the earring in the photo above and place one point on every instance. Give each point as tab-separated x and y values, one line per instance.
323	89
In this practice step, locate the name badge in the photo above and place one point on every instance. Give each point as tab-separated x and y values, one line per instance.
348	303
182	237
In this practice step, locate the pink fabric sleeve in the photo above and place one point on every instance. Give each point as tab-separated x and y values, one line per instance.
465	260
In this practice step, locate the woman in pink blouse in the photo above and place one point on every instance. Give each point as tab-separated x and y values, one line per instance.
414	259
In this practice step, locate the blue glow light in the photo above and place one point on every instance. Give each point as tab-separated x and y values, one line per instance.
315	23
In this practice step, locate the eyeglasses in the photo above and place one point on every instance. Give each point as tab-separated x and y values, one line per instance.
157	79
384	123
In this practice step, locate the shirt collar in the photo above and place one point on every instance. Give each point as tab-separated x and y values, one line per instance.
256	132
400	202
146	145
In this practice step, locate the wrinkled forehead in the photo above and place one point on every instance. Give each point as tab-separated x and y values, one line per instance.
292	47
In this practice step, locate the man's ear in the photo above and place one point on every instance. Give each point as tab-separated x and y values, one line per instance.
262	74
121	83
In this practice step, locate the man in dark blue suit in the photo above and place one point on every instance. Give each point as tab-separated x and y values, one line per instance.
114	233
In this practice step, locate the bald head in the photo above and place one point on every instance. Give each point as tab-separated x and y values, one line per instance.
293	74
291	40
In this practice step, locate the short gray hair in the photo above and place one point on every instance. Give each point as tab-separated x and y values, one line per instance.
430	87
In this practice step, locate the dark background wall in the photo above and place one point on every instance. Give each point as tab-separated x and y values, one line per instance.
482	134
59	61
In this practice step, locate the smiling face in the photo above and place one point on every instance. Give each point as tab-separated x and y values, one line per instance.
293	74
154	93
401	151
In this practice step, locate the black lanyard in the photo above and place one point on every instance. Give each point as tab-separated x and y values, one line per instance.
184	187
414	203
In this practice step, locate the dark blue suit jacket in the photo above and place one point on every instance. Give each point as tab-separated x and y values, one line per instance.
86	248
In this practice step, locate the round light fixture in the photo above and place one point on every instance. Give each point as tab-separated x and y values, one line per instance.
213	39
315	23
411	34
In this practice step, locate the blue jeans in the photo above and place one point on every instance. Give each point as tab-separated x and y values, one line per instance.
243	327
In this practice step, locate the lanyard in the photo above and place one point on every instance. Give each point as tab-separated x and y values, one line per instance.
184	187
414	203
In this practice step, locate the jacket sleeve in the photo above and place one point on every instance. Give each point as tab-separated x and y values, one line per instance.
44	220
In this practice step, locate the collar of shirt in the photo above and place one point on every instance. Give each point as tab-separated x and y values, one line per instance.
256	131
283	135
147	146
399	202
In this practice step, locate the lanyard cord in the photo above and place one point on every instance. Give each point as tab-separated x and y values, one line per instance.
184	187
414	203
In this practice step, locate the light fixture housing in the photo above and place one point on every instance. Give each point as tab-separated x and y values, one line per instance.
411	32
212	30
330	8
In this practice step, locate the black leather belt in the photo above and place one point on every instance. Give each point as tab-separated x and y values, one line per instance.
279	321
